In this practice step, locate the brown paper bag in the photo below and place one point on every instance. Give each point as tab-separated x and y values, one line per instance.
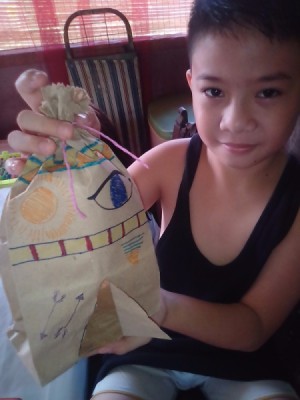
78	262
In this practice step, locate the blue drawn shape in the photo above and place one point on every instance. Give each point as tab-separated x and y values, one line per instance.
118	191
114	192
133	244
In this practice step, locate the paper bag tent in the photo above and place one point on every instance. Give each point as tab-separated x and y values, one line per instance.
76	283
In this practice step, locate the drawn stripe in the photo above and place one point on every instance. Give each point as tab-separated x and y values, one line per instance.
34	252
75	246
62	248
109	236
135	239
138	217
48	251
132	244
100	240
76	167
117	232
89	245
51	250
131	248
131	224
21	255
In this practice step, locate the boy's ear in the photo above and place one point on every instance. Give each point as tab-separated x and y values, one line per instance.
189	77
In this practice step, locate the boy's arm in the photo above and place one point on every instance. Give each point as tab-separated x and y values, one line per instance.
246	325
160	181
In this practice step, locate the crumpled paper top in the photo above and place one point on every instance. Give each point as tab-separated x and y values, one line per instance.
64	102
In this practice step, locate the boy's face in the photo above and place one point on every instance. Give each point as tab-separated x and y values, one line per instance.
246	95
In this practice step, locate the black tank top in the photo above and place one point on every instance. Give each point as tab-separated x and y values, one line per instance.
185	270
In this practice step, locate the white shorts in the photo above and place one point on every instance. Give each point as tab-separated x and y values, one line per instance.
148	383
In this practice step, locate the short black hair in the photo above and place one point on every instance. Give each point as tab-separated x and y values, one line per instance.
276	19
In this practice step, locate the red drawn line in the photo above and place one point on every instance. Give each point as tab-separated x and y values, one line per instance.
34	252
109	237
88	242
138	218
62	247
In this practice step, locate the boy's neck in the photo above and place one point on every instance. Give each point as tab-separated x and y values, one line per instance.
266	172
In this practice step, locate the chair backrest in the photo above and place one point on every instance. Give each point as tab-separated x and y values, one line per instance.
107	67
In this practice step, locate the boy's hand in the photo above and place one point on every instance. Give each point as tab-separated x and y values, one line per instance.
129	343
36	130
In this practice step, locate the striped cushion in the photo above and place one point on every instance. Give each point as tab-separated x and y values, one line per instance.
114	86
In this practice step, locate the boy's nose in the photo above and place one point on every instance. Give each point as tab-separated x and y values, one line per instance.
238	117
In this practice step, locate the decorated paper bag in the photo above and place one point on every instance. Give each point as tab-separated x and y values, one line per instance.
78	262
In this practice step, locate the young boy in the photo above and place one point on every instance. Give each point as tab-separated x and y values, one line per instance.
229	247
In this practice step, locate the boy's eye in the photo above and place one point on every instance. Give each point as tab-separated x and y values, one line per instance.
213	92
269	93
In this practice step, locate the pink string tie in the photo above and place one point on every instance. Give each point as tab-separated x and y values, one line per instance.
68	167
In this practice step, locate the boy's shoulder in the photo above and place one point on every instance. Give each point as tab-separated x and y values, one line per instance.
171	151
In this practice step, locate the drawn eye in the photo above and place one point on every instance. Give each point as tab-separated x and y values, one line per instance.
114	192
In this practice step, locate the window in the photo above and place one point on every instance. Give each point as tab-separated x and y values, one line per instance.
33	23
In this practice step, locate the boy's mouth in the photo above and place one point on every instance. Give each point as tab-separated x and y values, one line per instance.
239	147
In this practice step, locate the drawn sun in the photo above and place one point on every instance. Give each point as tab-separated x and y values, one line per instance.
45	211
